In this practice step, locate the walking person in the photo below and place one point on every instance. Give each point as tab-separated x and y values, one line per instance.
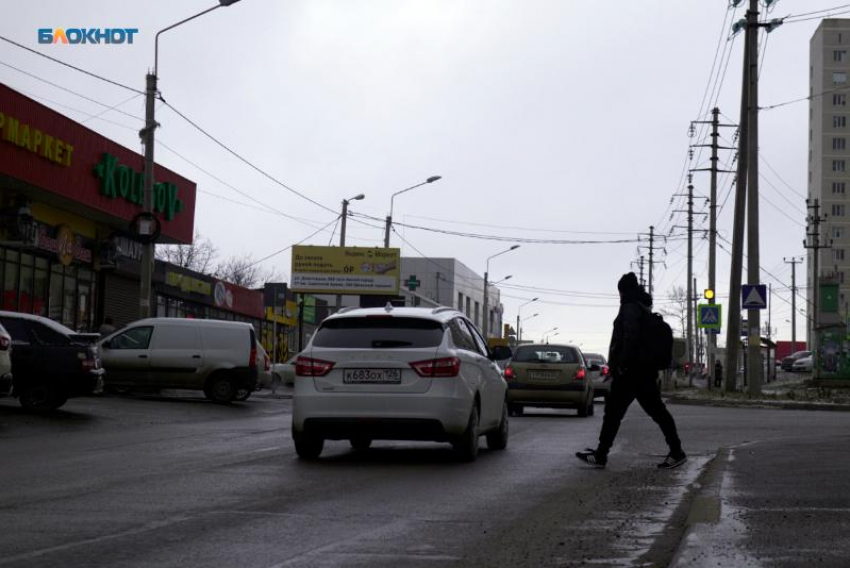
718	373
633	378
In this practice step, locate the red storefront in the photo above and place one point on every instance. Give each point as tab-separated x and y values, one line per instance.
68	197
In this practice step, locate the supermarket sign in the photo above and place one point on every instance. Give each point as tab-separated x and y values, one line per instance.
345	270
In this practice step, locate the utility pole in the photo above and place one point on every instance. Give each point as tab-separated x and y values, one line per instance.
753	269
146	227
651	241
691	351
642	281
651	247
813	242
733	322
793	262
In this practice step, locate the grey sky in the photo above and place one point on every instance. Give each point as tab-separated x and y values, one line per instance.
543	117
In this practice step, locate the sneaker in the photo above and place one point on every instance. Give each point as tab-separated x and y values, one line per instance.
590	457
673	460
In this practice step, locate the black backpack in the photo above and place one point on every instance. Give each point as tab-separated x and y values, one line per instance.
657	348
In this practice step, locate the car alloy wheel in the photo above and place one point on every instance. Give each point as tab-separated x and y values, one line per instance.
466	447
498	439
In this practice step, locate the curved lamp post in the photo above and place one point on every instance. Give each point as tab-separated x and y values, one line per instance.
485	325
431	179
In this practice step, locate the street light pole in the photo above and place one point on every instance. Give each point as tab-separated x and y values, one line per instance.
485	325
389	225
523	319
518	312
345	202
146	226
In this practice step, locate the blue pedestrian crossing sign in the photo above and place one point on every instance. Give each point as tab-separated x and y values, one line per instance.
754	296
708	316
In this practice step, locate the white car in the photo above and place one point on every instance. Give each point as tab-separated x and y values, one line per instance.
802	365
5	362
285	372
399	374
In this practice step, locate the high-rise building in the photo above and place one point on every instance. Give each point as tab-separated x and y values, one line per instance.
829	158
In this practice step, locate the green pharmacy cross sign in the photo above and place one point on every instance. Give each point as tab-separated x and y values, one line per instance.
412	283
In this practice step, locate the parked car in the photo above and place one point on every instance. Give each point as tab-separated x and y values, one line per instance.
5	362
284	373
550	376
218	357
803	365
600	375
788	362
50	362
399	374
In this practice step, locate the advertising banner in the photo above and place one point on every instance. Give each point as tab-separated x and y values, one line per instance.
345	270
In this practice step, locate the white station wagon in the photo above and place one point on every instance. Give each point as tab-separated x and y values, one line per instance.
399	374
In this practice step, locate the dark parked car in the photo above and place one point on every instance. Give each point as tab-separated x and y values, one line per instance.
788	362
50	363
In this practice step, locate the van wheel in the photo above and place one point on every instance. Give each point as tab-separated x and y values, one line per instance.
221	389
466	446
498	438
41	398
242	395
307	447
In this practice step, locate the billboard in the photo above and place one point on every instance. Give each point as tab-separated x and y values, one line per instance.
345	270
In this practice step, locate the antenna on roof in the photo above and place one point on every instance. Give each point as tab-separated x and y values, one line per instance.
389	307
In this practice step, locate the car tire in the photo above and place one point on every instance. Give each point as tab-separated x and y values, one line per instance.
498	438
41	398
221	389
466	446
515	409
242	395
307	446
360	444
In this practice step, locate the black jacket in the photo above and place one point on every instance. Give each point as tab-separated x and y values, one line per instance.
625	350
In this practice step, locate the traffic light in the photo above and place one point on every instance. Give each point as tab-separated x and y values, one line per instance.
708	294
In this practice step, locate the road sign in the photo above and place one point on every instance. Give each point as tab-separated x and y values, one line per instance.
708	316
753	297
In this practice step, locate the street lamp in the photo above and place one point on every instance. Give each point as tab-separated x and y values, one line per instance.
344	217
546	338
145	223
497	282
518	311
485	325
548	331
431	179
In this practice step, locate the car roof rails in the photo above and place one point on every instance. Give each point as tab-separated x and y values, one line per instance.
346	309
442	309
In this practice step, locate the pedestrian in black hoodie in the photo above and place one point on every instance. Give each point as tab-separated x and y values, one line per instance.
632	378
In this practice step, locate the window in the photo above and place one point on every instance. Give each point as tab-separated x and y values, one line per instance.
546	354
839	77
460	301
839	99
361	333
839	187
838	210
839	165
477	313
839	55
46	336
839	143
468	306
461	336
16	328
480	344
837	254
841	278
135	338
10	282
837	232
839	121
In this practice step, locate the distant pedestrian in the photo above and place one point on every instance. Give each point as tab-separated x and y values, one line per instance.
632	378
106	327
718	373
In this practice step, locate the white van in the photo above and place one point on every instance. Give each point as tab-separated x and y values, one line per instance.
218	357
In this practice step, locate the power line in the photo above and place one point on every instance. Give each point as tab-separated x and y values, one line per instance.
311	235
89	73
471	224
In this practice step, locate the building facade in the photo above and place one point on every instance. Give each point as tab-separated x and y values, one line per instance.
829	157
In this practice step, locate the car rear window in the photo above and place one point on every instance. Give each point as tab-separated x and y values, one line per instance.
379	333
546	354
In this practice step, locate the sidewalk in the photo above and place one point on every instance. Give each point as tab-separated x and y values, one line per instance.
789	391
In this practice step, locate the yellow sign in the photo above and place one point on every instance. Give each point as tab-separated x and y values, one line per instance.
30	138
345	270
187	283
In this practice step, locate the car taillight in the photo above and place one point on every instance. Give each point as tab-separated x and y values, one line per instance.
252	362
443	367
604	370
308	367
5	342
510	374
580	374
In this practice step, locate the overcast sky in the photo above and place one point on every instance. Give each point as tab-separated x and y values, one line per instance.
547	119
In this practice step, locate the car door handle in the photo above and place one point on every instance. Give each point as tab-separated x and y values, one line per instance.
196	356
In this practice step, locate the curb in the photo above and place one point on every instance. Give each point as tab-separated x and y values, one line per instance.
772	404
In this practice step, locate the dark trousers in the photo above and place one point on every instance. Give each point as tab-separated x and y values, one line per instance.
640	385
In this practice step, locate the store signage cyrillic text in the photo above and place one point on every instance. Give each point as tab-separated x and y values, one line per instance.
118	180
34	140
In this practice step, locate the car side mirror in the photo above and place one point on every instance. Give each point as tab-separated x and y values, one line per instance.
500	352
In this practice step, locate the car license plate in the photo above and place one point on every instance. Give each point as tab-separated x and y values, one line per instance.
371	376
542	375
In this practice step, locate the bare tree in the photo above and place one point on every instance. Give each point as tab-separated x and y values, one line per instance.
243	271
677	307
198	256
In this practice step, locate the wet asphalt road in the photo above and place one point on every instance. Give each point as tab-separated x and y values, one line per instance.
158	481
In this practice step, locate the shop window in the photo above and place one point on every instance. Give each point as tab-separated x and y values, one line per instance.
84	298
10	281
161	307
54	305
69	297
39	289
26	284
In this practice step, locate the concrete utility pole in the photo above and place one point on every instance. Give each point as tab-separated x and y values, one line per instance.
793	262
753	269
690	346
733	322
651	251
813	242
651	248
343	219
642	281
